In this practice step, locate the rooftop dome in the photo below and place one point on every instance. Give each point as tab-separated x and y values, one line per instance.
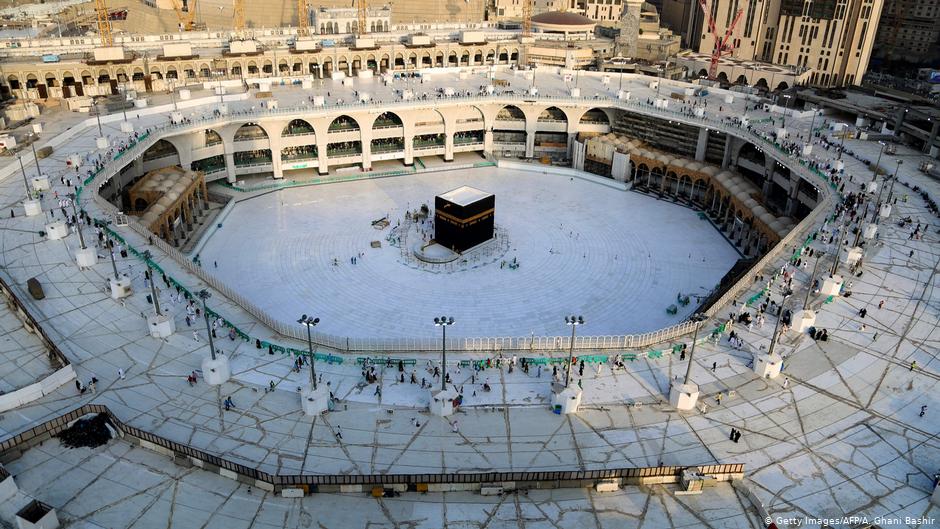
562	21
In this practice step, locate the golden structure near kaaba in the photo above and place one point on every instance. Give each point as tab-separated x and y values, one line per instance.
168	201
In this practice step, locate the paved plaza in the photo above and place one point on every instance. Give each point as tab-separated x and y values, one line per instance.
581	246
839	433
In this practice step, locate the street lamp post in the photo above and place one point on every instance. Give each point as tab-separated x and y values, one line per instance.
573	321
113	263
35	156
878	163
835	263
29	193
73	198
153	284
698	319
893	180
773	338
204	295
443	322
308	323
786	107
98	118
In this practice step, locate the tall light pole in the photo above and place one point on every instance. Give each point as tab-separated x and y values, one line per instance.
35	156
573	321
773	338
153	284
73	198
809	287
698	319
98	117
893	180
29	193
786	107
308	323
835	263
204	295
878	163
443	322
110	245
812	125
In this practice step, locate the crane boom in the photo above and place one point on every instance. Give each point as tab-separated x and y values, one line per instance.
721	43
361	17
186	18
238	19
526	18
302	20
104	23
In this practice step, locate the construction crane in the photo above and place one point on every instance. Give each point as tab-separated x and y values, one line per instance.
361	15
104	23
527	18
302	20
238	19
722	46
186	18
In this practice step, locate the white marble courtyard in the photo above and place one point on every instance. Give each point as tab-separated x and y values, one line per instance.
583	248
843	437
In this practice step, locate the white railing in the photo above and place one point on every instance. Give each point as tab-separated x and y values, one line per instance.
628	341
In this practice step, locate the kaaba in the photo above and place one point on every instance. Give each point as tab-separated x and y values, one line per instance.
463	218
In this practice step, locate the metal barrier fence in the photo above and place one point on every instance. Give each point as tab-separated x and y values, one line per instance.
14	446
55	354
629	341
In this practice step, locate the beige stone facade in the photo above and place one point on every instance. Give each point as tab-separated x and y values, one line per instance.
909	31
832	39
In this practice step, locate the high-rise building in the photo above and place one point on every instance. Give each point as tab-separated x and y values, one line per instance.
833	39
909	31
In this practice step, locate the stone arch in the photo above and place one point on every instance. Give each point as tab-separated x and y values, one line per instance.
510	113
741	80
172	73
283	66
296	127
723	78
703	73
782	86
50	79
161	149
439	59
344	123
212	137
250	131
699	191
252	68
595	116
478	57
387	119
514	55
553	114
465	58
452	58
762	84
685	187
490	56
